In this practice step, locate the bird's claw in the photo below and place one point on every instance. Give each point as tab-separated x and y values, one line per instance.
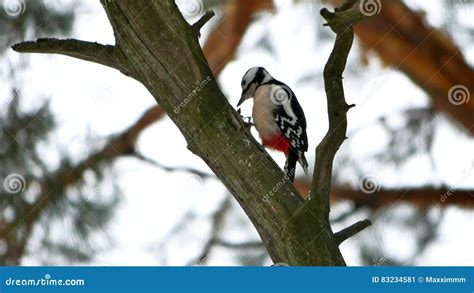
247	123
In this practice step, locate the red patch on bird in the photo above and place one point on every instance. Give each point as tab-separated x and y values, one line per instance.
278	142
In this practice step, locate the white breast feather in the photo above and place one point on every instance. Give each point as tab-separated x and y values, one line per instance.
262	112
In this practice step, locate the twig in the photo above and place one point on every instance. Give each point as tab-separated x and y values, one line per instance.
202	21
155	163
350	231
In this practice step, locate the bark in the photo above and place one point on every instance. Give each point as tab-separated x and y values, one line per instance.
157	47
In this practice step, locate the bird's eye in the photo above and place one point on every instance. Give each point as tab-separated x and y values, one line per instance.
243	82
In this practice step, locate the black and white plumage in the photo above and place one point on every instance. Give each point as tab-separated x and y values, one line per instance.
278	117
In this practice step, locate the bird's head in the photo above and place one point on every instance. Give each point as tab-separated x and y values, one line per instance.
253	78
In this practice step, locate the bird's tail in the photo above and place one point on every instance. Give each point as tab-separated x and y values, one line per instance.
303	162
290	165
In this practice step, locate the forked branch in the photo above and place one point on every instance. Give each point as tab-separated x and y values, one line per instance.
341	22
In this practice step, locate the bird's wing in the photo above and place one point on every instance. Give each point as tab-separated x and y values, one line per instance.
290	118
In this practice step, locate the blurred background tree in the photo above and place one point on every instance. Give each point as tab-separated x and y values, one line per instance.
48	210
392	169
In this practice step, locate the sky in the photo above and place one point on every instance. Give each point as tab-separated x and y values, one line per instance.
92	101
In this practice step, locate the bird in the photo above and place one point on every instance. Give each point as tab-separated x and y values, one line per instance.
277	116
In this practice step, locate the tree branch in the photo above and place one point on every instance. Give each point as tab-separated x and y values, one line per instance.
350	231
202	21
341	23
88	51
420	197
403	39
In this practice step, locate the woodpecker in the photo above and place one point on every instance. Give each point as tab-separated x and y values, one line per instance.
277	116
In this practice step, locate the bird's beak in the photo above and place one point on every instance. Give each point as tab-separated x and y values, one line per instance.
242	98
